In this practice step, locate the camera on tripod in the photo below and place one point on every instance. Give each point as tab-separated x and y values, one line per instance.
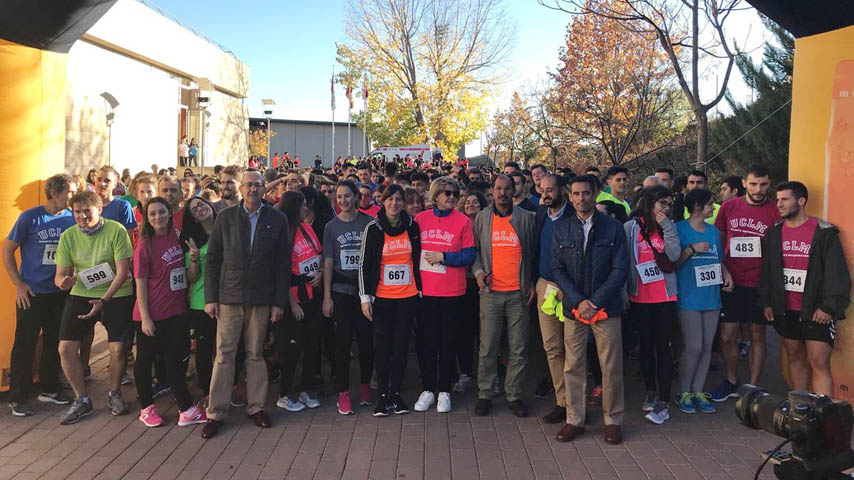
818	428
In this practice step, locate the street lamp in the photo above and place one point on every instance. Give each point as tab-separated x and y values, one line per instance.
268	104
111	114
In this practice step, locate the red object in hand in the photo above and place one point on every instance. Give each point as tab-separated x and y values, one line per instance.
600	315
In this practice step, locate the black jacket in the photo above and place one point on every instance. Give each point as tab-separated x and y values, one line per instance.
828	284
373	239
539	220
235	275
597	273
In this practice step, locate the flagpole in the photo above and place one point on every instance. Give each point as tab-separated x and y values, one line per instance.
332	89
365	126
348	127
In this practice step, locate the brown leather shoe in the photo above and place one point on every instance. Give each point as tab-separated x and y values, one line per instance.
211	428
261	419
613	434
569	432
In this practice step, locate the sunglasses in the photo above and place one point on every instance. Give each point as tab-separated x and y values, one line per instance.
452	193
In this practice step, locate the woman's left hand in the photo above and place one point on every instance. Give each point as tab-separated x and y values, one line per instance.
434	257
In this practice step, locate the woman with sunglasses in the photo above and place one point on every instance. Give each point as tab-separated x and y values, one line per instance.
447	247
653	248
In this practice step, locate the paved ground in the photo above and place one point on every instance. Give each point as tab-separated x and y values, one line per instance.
323	444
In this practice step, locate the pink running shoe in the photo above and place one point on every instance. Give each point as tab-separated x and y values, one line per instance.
192	416
367	397
344	407
150	417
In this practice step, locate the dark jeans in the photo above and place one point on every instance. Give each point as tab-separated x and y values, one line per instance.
205	328
439	319
169	340
44	315
468	328
656	324
294	338
348	318
392	323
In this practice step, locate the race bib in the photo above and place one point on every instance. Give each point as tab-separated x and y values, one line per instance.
350	259
794	280
426	267
96	276
178	279
49	257
745	247
708	275
394	275
649	272
310	266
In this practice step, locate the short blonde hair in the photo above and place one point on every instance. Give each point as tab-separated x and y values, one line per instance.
439	184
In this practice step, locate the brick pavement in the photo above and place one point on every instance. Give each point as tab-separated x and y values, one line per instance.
322	444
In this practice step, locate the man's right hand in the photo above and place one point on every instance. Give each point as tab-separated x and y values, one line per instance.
586	309
212	309
768	313
68	282
23	292
483	281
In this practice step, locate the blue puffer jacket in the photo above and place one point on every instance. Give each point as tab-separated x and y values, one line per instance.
597	274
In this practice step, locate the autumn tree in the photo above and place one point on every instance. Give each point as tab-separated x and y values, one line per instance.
613	88
259	142
692	35
431	64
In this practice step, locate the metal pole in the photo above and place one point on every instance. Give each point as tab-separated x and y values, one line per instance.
348	129
269	160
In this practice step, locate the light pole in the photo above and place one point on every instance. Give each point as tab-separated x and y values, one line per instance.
111	114
268	104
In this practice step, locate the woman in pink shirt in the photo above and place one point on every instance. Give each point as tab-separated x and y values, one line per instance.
447	247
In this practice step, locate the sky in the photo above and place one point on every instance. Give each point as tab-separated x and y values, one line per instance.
289	46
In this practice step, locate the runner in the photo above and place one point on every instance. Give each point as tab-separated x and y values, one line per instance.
743	223
114	208
389	286
700	276
617	180
231	195
366	202
160	307
342	242
447	247
169	188
653	247
38	301
298	332
144	187
92	260
697	180
804	288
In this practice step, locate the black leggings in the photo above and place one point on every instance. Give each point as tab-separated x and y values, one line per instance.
43	315
468	328
439	320
348	318
656	322
205	330
392	323
298	337
170	340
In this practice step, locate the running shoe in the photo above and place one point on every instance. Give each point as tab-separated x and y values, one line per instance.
149	416
308	399
701	401
462	383
366	396
344	407
383	406
79	408
192	416
21	409
238	397
425	401
659	414
724	392
289	404
686	403
443	405
57	398
399	406
126	380
158	389
649	401
116	403
595	399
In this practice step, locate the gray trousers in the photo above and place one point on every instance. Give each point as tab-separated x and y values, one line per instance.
698	333
496	309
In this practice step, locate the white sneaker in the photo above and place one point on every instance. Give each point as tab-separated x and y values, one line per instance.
444	403
659	414
289	404
425	401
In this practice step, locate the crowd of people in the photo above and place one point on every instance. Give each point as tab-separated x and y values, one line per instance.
269	275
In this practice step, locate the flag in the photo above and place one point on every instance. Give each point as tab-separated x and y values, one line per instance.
365	87
349	94
332	89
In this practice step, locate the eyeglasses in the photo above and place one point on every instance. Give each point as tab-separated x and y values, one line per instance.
452	193
665	203
257	185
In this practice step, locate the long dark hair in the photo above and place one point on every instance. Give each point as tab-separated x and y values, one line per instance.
646	204
147	231
317	202
191	228
290	204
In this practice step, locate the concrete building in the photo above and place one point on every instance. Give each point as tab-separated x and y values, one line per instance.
157	70
306	139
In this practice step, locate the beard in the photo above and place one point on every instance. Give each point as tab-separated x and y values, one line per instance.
792	213
227	195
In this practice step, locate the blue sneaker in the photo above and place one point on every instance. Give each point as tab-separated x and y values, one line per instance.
686	403
724	392
701	401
